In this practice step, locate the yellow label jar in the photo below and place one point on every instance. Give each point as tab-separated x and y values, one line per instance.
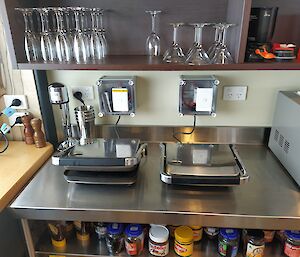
183	245
198	232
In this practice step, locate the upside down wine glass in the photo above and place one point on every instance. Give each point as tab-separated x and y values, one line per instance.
95	38
153	40
197	54
62	43
79	41
174	54
218	34
222	54
31	43
47	41
101	29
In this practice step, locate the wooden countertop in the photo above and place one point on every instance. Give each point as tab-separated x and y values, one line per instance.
17	165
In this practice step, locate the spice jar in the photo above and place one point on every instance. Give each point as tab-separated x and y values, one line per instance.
158	240
197	232
101	230
292	243
134	239
228	243
211	232
269	235
58	233
82	230
115	238
254	243
184	244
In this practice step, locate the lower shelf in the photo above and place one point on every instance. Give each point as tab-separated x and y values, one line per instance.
206	248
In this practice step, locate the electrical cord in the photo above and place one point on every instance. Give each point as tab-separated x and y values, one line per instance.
6	142
116	126
185	133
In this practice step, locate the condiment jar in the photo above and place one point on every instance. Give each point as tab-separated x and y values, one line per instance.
228	243
292	243
100	229
158	240
254	243
82	230
211	232
269	235
184	244
134	239
115	238
197	232
58	233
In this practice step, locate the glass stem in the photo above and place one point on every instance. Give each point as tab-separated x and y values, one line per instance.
175	35
77	21
153	23
44	20
199	35
101	21
224	36
217	34
94	23
26	22
59	20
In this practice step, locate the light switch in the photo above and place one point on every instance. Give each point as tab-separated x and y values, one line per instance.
204	99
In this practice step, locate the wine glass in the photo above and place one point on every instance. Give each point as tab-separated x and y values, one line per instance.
79	41
31	44
96	48
217	42
62	43
175	53
222	54
197	54
99	17
47	41
84	13
153	40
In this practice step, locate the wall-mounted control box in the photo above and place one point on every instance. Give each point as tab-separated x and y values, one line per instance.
117	95
198	95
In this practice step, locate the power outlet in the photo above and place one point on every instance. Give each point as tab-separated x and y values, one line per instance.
9	98
87	92
12	118
235	93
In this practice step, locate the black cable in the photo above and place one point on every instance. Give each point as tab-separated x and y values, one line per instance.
116	126
185	133
6	142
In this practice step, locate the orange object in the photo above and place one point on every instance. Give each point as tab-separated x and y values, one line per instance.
264	53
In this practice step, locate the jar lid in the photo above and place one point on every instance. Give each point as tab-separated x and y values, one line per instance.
256	233
229	233
184	234
115	228
159	234
133	230
293	234
195	227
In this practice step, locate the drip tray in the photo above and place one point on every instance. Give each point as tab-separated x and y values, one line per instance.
201	164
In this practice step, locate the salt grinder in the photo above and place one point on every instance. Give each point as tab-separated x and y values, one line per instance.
28	130
39	137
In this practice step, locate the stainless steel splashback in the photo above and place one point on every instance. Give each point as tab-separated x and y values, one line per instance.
220	135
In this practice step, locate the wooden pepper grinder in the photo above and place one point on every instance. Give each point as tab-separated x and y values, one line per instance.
39	137
28	130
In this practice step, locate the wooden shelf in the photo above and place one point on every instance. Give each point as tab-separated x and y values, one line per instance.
138	63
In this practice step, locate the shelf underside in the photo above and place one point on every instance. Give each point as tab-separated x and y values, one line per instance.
206	248
133	62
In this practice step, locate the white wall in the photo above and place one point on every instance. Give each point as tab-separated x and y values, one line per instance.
157	96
